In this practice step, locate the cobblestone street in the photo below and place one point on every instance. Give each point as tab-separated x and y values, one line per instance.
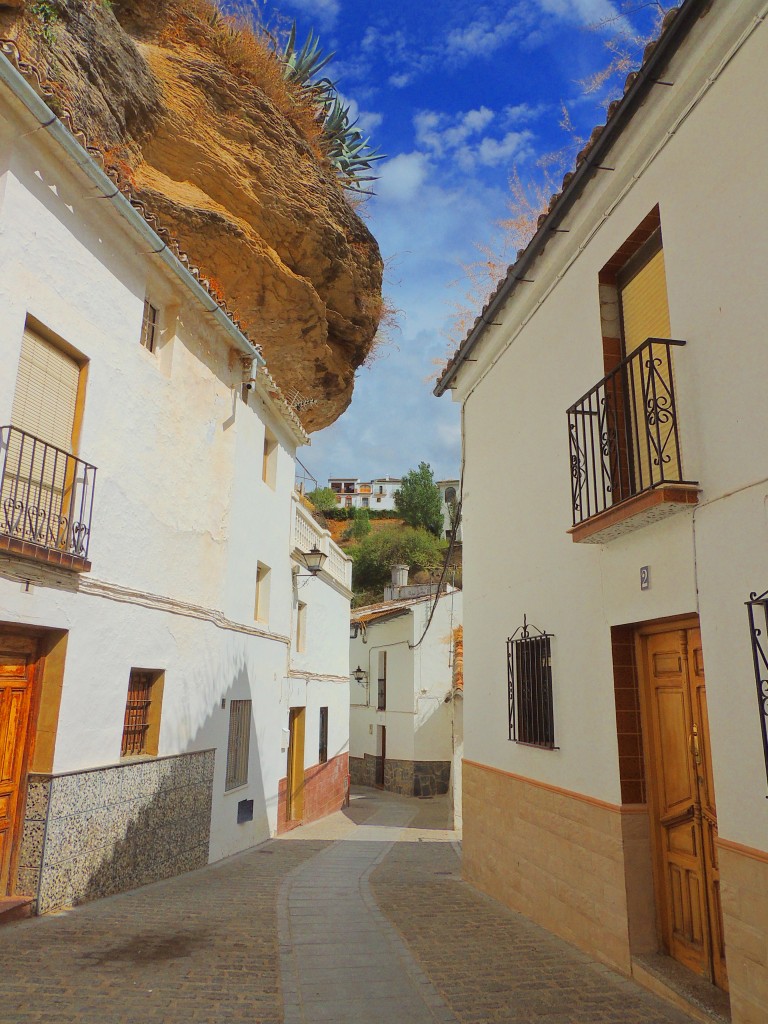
359	919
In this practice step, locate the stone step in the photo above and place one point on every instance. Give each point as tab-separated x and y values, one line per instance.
667	978
15	908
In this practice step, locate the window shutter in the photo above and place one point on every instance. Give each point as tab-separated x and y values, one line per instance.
644	306
46	392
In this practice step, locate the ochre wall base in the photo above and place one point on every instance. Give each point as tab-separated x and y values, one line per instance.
554	857
325	789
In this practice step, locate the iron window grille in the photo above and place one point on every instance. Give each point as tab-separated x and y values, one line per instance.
757	608
238	744
149	326
136	722
623	434
529	687
323	735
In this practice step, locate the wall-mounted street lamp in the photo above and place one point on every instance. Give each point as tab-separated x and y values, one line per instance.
314	560
359	675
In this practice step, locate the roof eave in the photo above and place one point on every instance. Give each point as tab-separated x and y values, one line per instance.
665	48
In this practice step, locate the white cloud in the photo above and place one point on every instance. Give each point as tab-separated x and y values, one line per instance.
399	81
523	113
483	36
442	133
514	146
585	12
402	177
325	12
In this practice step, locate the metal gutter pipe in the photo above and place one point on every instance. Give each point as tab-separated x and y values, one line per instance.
663	52
42	113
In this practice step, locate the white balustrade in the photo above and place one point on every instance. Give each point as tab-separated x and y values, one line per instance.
308	534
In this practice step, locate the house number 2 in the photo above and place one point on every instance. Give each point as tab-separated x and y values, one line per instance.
645	577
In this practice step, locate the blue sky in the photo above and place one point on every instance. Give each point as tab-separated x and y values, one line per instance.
456	94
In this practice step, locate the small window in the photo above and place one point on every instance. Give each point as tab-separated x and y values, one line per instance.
238	744
323	735
366	502
261	607
348	502
301	627
149	322
529	682
141	726
450	495
379	500
269	465
381	703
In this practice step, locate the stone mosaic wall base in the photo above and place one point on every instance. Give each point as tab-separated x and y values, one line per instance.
94	833
408	778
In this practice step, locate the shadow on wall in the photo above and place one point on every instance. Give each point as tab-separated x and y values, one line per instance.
94	833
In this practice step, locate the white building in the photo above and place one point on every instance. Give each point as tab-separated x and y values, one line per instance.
403	728
173	684
616	755
378	495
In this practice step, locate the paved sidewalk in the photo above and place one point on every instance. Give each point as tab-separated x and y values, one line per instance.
359	919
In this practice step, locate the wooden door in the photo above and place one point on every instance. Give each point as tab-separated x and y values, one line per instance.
685	819
296	764
17	668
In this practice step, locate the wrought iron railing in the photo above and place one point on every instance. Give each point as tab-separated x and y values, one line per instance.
46	494
757	607
529	687
623	433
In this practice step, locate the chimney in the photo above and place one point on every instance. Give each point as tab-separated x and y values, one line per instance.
399	576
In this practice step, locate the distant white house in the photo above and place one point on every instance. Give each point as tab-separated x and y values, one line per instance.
404	687
379	495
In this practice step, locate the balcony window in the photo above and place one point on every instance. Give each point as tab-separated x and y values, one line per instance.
625	455
46	492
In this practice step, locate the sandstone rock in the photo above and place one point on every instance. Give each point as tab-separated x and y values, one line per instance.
245	193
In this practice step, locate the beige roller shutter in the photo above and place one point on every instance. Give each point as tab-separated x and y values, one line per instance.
46	391
644	306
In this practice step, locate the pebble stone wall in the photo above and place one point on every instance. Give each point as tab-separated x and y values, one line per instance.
98	832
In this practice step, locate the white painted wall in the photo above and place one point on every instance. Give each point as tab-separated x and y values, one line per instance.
708	180
181	514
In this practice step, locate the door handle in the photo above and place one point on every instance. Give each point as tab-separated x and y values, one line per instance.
695	744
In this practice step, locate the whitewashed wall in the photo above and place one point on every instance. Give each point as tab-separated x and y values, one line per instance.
181	513
708	181
417	719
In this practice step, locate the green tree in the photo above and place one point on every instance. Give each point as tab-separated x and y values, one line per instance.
375	555
418	500
324	499
361	525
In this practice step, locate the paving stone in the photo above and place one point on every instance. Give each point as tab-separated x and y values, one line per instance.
359	919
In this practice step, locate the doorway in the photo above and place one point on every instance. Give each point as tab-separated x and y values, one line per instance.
682	797
295	787
18	661
381	753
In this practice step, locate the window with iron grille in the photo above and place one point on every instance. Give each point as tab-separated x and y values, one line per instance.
381	704
239	743
141	725
529	687
323	735
149	326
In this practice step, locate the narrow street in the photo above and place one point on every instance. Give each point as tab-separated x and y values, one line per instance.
358	919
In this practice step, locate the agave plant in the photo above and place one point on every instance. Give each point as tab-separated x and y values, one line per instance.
349	152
